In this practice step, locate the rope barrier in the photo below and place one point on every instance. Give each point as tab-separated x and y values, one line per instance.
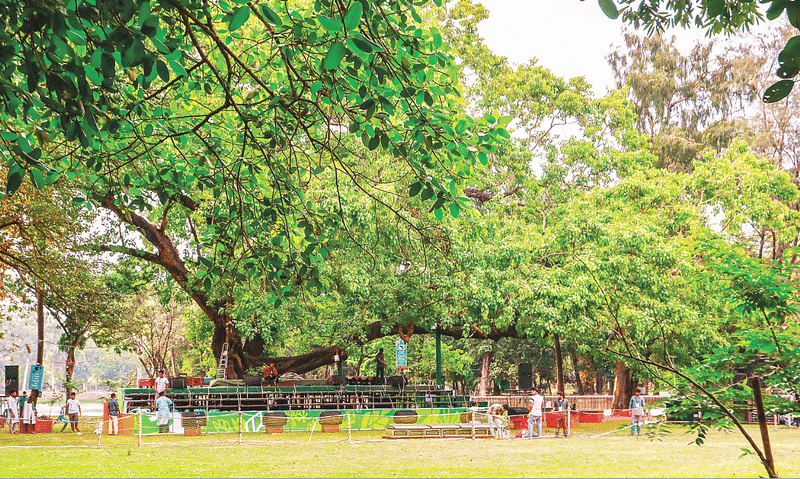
219	423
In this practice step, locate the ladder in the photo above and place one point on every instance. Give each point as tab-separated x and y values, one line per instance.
222	370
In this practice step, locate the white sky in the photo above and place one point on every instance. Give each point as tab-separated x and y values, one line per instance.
569	37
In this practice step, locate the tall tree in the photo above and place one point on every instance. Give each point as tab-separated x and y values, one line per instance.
224	114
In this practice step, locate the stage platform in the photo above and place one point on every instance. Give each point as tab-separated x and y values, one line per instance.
297	398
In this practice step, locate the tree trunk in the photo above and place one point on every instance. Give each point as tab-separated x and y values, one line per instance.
300	364
40	343
40	319
70	368
559	364
487	360
769	462
633	385
578	380
174	369
598	378
622	380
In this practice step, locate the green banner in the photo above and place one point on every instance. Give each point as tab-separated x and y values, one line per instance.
364	419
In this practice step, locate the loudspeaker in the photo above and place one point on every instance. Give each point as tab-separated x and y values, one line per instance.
12	379
525	376
178	383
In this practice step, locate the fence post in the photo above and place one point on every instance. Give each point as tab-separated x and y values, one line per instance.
568	432
141	426
312	429
473	425
349	431
100	436
240	427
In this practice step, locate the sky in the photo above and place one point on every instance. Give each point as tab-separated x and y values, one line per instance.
569	37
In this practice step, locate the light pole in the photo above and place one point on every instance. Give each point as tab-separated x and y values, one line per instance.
439	381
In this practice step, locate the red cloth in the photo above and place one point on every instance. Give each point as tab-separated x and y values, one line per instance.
270	371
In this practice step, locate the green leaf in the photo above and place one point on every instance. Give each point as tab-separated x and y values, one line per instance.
353	17
334	56
150	26
365	47
427	193
415	189
37	178
778	91
787	71
776	8
330	24
793	12
374	142
505	120
163	70
715	8
609	8
144	13
438	213
454	210
240	16
270	15
14	179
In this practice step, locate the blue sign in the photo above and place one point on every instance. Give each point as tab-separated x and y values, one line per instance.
35	378
400	354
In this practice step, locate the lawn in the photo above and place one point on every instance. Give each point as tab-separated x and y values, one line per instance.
612	455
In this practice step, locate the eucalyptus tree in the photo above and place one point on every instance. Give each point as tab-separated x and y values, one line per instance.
196	126
683	103
717	16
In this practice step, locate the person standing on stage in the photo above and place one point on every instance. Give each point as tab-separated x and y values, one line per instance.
162	383
380	366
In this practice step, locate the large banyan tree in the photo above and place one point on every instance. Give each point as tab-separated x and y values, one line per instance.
196	126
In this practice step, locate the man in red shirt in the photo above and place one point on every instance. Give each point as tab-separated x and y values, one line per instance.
271	374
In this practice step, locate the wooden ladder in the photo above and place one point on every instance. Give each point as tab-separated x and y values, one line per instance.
222	370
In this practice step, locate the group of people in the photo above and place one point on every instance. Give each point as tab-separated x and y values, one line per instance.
535	413
536	402
497	420
20	410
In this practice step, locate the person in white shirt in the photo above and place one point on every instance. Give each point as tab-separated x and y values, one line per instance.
162	383
12	412
74	412
496	419
29	416
535	415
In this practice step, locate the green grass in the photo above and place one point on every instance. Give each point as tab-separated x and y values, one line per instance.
329	455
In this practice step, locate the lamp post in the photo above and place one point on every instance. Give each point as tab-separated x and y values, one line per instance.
439	381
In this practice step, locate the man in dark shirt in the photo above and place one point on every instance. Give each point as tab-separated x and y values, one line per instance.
562	408
380	366
113	415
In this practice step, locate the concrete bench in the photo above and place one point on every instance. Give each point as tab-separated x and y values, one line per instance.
407	430
400	431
